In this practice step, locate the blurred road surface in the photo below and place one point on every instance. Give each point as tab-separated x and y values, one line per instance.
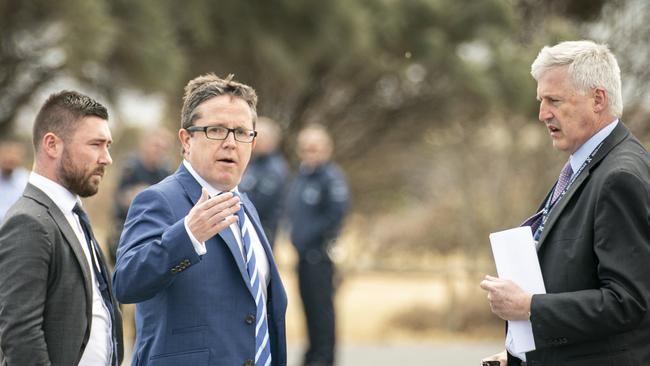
458	353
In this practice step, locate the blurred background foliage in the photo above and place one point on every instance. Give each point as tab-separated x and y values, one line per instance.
430	102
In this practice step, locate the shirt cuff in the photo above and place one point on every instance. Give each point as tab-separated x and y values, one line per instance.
198	246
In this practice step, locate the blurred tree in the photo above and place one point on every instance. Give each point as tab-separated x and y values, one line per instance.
386	76
106	44
37	41
378	73
624	26
345	63
357	66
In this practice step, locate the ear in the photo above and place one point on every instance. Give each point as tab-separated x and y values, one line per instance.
184	138
51	145
253	144
600	100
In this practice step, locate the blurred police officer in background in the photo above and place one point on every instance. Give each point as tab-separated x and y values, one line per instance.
13	177
316	205
266	177
148	166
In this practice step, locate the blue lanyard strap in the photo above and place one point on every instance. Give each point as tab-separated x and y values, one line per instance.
548	207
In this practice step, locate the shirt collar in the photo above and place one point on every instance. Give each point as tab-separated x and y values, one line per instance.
62	197
580	156
211	190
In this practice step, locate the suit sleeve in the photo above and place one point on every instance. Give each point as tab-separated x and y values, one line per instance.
25	252
622	247
153	250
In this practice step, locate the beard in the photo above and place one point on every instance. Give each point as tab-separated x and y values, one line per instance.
77	179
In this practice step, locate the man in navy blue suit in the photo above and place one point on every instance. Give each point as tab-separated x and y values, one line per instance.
193	255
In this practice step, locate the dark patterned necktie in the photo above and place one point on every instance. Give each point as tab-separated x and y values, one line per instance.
562	182
100	272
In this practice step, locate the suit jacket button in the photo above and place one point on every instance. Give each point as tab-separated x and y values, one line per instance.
250	319
249	363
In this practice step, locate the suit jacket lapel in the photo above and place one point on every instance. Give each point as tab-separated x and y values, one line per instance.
618	134
193	190
69	235
257	225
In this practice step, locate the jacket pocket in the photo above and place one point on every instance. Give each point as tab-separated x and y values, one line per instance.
194	358
616	358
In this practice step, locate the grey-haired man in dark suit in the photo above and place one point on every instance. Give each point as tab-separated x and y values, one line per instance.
592	229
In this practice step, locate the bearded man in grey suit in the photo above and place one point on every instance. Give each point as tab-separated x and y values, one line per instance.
56	304
593	228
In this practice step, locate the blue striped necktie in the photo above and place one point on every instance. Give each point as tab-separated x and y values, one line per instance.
262	342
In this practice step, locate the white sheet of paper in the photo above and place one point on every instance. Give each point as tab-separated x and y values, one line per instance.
516	259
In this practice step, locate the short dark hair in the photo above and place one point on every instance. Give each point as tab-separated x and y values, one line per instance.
61	112
207	86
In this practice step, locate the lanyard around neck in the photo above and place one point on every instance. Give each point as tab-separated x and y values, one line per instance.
548	207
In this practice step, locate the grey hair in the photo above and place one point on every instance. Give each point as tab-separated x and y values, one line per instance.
590	65
207	86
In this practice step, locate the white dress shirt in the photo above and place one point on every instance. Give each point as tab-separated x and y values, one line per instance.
98	351
580	156
260	255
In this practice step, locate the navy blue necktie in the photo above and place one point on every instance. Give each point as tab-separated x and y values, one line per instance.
100	272
262	342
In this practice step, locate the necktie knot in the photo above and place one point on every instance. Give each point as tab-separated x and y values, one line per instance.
81	213
240	213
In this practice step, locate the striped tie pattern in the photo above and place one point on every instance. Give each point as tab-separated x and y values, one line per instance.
262	342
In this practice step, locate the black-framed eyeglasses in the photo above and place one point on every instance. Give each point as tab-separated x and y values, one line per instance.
221	133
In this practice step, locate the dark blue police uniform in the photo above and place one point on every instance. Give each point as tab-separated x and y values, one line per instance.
265	183
134	173
316	205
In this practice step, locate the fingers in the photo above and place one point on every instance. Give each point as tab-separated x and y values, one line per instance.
501	357
212	215
507	300
489	283
204	196
210	202
220	208
486	285
221	225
